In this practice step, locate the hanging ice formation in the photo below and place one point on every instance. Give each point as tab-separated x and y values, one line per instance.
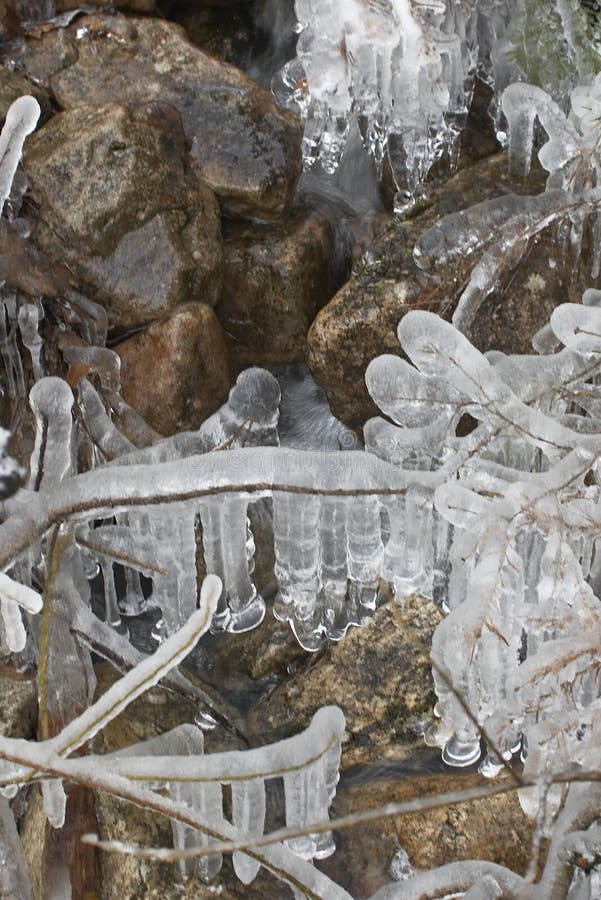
306	764
403	71
396	67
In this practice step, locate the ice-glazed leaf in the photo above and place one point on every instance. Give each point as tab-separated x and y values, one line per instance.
464	508
578	327
534	215
461	233
407	396
21	119
396	444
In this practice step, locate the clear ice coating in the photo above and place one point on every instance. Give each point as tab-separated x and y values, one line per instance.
307	764
397	67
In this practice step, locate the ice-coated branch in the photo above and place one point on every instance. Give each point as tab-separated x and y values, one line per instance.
147	673
325	730
278	859
453	878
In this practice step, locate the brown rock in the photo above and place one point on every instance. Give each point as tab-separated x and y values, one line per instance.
120	207
175	373
361	320
245	148
276	279
377	675
491	828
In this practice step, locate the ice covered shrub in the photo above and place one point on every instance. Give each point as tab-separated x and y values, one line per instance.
516	513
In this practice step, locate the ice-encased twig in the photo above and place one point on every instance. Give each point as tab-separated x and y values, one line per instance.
275	857
147	673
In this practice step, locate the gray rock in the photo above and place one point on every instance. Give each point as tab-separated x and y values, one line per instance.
118	204
245	148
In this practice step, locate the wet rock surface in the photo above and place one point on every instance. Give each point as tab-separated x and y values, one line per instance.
175	373
380	677
276	279
360	322
491	828
119	206
245	148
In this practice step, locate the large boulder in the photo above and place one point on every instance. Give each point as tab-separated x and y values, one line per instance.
120	206
245	148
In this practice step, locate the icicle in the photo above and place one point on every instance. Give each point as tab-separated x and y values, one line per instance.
408	555
225	540
297	789
55	801
248	817
296	538
333	570
51	400
14	630
111	605
365	549
29	317
205	799
172	531
522	104
9	350
109	440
